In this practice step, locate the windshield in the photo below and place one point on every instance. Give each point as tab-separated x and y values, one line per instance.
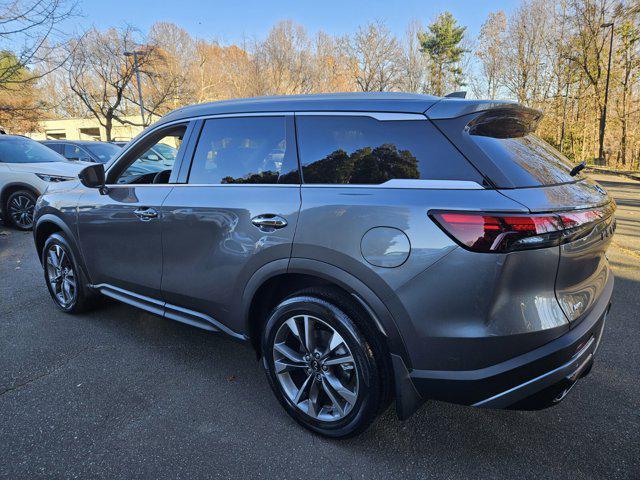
25	150
528	161
103	151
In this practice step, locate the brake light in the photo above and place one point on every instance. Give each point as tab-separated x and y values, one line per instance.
488	232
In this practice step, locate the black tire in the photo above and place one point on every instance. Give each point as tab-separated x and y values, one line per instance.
83	298
18	210
372	364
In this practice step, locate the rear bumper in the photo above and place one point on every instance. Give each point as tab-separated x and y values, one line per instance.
533	380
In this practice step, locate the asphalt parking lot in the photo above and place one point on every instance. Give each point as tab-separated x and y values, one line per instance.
119	393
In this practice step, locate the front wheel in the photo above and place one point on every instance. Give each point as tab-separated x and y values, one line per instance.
327	373
65	280
19	209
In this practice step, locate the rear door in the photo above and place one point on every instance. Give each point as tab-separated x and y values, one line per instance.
236	212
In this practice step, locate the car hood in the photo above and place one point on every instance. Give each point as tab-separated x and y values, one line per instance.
65	169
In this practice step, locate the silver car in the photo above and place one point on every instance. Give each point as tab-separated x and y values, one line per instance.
369	247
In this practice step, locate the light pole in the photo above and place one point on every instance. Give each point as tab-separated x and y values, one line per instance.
603	118
135	55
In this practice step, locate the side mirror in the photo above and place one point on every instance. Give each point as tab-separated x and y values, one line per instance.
93	176
153	157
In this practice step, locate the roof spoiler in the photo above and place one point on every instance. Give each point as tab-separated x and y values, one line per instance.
498	119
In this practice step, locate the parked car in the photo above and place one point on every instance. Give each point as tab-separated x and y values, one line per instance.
154	160
84	150
27	168
369	247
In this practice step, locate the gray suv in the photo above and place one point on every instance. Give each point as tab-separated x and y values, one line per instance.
369	247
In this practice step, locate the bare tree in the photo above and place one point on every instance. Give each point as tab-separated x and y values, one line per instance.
490	52
285	59
376	58
414	62
100	74
331	69
26	29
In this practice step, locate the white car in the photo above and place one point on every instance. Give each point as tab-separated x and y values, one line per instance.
27	168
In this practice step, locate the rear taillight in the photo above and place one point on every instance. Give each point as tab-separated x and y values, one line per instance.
489	232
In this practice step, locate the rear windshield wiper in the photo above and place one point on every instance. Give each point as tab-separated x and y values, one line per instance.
577	169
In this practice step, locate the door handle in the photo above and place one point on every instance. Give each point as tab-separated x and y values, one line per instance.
145	214
269	222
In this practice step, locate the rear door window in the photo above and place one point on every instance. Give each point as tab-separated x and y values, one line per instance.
245	150
342	149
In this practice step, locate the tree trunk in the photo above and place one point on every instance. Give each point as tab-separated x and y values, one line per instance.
108	125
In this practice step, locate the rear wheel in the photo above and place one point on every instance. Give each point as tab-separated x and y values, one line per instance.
323	364
66	283
19	209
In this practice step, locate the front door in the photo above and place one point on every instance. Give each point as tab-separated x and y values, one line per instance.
120	230
237	212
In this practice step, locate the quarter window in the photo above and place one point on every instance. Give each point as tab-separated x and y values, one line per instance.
241	150
363	150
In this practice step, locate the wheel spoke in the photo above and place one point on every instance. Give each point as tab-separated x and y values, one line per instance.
283	366
309	341
340	389
326	386
314	393
339	360
334	343
53	259
303	389
293	326
289	352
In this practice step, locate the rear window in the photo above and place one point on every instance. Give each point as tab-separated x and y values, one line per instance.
527	161
362	150
104	151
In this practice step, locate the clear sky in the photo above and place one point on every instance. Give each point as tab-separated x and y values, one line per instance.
230	21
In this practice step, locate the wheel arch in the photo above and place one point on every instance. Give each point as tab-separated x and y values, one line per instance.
48	224
12	187
274	281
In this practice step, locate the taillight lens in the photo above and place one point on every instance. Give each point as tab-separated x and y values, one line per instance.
488	232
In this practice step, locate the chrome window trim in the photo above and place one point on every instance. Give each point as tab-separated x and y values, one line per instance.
402	184
406	184
381	116
138	185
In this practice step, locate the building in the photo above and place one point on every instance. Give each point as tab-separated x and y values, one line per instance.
84	129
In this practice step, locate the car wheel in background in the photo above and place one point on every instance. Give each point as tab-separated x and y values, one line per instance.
19	209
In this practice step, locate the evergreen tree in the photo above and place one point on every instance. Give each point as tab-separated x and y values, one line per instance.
442	44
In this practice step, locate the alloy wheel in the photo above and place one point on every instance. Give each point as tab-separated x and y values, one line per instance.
315	368
20	209
61	275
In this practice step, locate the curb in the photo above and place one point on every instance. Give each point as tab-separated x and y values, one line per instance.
631	174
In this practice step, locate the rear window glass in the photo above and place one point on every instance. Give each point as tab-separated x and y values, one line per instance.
527	161
362	150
